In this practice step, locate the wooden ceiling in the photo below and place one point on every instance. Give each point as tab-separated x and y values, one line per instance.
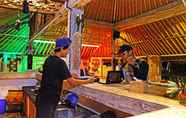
40	6
113	11
165	37
147	24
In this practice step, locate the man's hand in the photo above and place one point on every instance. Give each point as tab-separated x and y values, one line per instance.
91	79
131	60
74	75
72	82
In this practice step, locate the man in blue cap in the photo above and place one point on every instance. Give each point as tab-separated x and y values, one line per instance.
55	72
126	53
131	67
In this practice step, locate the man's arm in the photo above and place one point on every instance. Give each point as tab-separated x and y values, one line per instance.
73	82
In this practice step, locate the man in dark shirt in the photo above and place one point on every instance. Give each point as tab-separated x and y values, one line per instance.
55	71
136	67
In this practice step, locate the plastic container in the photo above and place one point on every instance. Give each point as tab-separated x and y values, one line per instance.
64	113
71	99
3	104
182	98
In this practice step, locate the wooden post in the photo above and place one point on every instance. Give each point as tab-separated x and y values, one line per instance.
75	22
154	68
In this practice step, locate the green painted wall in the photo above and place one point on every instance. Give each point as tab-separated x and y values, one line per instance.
38	63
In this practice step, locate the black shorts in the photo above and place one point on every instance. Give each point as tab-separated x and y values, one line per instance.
46	105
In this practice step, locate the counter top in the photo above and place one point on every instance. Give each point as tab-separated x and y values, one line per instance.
116	96
172	112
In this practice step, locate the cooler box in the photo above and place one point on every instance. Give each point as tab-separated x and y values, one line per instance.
2	106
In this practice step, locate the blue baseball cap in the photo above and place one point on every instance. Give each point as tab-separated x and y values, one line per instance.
63	42
124	48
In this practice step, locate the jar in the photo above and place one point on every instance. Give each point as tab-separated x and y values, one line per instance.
182	97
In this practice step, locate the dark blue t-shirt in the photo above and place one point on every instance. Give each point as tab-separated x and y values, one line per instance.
54	72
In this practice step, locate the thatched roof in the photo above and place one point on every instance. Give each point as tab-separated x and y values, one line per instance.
153	27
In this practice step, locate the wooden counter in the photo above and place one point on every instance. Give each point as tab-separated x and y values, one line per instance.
117	97
171	112
29	102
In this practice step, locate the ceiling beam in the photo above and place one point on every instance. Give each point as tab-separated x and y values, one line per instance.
61	15
172	9
41	11
99	23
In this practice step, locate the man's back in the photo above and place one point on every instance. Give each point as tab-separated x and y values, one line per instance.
54	72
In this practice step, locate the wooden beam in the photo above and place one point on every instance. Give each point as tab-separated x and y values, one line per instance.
99	23
76	4
61	15
43	11
173	55
172	9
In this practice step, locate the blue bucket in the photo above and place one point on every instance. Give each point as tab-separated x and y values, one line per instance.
2	106
72	99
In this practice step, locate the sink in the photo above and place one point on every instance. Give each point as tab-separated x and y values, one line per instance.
79	112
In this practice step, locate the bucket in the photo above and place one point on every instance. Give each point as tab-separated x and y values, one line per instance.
71	99
64	113
2	106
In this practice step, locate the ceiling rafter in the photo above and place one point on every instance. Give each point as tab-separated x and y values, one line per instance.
163	37
170	10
